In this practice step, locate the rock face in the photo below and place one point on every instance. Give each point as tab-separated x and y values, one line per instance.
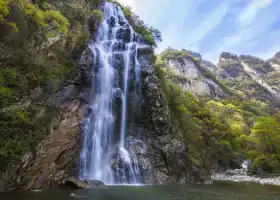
253	76
189	76
56	157
75	183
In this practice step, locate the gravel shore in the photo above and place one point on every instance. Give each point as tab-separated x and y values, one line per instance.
241	176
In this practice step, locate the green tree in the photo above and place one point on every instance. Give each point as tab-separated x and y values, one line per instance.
266	138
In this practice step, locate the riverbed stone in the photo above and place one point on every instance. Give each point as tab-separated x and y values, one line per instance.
75	183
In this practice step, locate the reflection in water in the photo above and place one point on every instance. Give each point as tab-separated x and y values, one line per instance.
217	191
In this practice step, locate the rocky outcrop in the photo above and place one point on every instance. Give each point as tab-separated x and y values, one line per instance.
190	75
75	183
253	76
165	153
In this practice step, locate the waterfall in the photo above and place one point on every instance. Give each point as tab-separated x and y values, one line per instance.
107	154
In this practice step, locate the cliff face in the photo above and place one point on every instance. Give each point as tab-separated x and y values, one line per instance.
56	157
253	76
190	71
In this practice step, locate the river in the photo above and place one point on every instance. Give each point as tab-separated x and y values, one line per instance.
216	191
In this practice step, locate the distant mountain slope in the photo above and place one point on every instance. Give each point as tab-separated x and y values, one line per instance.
252	76
245	76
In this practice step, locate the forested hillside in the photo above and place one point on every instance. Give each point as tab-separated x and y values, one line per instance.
221	129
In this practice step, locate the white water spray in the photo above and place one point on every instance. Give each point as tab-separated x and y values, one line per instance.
115	41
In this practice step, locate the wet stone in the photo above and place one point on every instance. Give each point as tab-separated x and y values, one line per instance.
123	34
111	21
118	46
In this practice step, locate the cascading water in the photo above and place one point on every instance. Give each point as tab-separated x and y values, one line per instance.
115	65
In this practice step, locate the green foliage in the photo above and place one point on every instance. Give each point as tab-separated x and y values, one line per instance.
203	130
4	10
42	52
265	133
151	35
97	14
220	131
50	20
170	53
19	133
273	78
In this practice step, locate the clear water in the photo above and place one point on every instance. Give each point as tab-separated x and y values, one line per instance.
217	191
105	136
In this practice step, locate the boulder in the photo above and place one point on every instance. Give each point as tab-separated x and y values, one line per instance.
75	183
94	183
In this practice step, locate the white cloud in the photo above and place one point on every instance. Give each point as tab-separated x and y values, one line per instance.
252	10
210	23
252	35
213	26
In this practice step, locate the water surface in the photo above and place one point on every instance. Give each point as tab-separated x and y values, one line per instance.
217	191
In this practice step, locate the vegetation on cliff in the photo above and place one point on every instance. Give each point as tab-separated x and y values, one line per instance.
220	133
40	45
150	35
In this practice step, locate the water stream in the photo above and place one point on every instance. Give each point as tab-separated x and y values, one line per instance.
105	132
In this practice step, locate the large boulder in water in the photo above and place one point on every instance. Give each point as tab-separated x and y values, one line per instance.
75	183
93	183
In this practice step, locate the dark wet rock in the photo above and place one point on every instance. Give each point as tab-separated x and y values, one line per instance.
95	183
85	95
147	70
84	77
118	46
75	183
119	60
123	34
118	93
111	21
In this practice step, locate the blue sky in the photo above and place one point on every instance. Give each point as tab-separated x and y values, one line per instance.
214	26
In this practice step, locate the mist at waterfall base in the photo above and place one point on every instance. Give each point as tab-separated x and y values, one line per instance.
108	154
